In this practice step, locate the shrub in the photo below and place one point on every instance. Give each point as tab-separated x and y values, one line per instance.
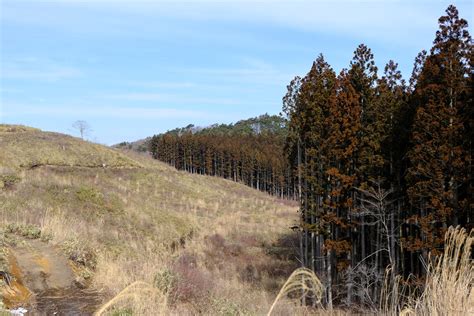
4	265
250	273
90	195
27	231
95	199
80	253
216	241
220	247
165	281
7	181
193	284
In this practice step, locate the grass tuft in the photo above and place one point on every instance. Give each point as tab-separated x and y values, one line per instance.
301	284
135	292
449	287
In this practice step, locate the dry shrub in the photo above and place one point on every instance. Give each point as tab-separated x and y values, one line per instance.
250	273
81	253
365	280
248	240
216	241
193	285
219	253
220	247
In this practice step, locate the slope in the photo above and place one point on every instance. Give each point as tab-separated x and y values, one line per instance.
212	245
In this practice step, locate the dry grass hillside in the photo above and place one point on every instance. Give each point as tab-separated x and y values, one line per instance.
201	244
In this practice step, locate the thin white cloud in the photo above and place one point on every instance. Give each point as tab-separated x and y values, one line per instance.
170	98
251	71
241	75
214	78
402	22
166	84
31	68
74	111
212	86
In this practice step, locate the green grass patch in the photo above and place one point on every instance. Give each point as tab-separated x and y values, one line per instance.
93	199
8	180
122	312
90	195
24	230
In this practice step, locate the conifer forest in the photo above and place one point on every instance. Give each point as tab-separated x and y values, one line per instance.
381	165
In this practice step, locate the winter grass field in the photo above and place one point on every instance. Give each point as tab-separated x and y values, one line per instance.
213	245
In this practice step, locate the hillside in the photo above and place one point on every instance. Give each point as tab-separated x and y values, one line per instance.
118	217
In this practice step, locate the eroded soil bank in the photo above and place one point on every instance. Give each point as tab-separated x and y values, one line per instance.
43	282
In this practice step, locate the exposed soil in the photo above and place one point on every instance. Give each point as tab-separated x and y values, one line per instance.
44	282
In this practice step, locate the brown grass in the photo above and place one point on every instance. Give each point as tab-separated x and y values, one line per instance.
302	284
120	225
449	287
135	294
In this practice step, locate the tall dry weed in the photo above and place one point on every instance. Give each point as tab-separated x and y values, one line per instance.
139	295
449	287
301	284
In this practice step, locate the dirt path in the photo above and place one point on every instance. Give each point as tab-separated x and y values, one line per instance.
45	282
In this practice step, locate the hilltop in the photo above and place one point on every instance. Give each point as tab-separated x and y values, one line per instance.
26	147
263	124
119	217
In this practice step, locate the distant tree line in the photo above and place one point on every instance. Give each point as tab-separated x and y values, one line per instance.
262	125
383	166
250	151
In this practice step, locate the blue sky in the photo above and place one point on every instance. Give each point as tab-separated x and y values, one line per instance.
132	69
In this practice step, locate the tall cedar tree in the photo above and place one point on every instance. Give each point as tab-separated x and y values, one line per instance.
439	158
